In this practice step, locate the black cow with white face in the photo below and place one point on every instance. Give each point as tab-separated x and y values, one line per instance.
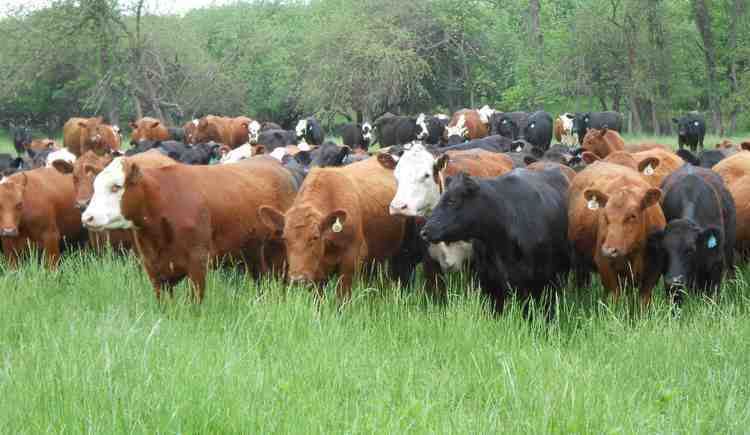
508	124
21	137
691	130
582	122
308	131
697	246
432	128
357	135
395	130
520	224
538	131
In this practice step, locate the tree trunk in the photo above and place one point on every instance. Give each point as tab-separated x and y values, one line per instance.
636	126
537	42
659	64
703	23
736	9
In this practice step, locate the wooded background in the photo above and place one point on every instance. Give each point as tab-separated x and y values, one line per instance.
353	60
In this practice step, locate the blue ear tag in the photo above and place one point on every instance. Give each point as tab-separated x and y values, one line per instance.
712	242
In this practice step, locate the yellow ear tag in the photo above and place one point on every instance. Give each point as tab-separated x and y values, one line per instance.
337	226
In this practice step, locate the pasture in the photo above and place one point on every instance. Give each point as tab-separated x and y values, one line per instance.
87	349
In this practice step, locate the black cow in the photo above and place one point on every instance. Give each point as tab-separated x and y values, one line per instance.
495	144
508	124
697	245
308	130
9	165
584	121
357	135
298	165
432	128
21	137
706	158
514	250
201	154
538	131
142	146
329	154
276	138
691	130
173	149
395	130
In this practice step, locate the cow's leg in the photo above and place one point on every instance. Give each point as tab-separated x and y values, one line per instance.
434	279
611	282
51	246
197	270
12	247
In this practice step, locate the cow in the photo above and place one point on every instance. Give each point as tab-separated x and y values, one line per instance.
309	133
707	158
465	125
546	165
62	154
497	144
603	141
511	251
564	130
735	171
357	136
329	155
508	124
582	122
189	129
691	130
213	128
72	135
184	217
235	155
36	209
395	130
697	244
667	163
37	145
431	129
273	138
538	131
148	128
21	137
9	165
94	135
339	222
200	154
612	211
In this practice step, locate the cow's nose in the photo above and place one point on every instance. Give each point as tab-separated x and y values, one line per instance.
396	208
610	252
81	205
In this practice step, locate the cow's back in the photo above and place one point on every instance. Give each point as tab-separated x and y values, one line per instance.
478	162
735	171
49	196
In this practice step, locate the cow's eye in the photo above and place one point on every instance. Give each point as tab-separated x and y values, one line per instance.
630	218
426	176
19	206
116	188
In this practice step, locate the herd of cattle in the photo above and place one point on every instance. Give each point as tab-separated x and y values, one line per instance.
483	190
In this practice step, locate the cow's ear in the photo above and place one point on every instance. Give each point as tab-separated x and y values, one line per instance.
647	165
62	166
589	157
273	219
528	160
745	146
687	156
470	184
133	172
651	197
604	129
81	124
335	224
155	124
595	199
387	161
441	163
710	239
675	120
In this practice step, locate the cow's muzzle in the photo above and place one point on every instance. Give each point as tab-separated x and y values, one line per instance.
9	232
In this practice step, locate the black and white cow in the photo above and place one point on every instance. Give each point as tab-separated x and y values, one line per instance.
309	133
691	130
395	130
357	135
584	121
508	124
697	245
538	131
432	128
511	249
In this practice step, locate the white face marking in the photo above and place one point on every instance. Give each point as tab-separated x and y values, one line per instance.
301	128
451	256
253	130
196	122
367	131
303	146
697	123
459	129
423	133
116	129
417	192
485	113
62	154
105	210
278	153
240	153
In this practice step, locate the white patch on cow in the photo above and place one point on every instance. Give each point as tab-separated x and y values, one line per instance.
519	148
423	132
253	131
568	137
367	131
3	180
648	170
196	122
278	153
116	129
459	129
532	125
451	256
240	153
593	204
442	116
696	123
105	210
304	146
485	113
301	128
417	193
61	154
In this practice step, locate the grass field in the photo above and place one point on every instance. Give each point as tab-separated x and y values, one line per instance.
87	349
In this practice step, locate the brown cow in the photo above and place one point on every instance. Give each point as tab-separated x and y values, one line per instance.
72	135
668	162
94	135
148	129
466	124
240	132
646	146
190	128
339	223
612	212
36	208
603	141
544	165
232	132
184	216
37	145
735	170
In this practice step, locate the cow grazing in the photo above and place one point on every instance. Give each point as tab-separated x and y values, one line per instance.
511	250
309	133
395	130
339	222
431	129
612	211
582	122
603	141
21	137
691	130
564	130
735	171
538	131
707	158
509	124
698	241
184	216
357	136
93	135
465	125
36	209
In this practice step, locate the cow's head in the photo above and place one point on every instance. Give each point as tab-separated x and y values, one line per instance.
687	125
146	128
456	215
117	194
92	132
367	133
301	129
190	129
485	114
602	141
685	247
507	127
457	133
422	131
253	130
329	154
419	178
11	203
84	170
622	218
314	241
